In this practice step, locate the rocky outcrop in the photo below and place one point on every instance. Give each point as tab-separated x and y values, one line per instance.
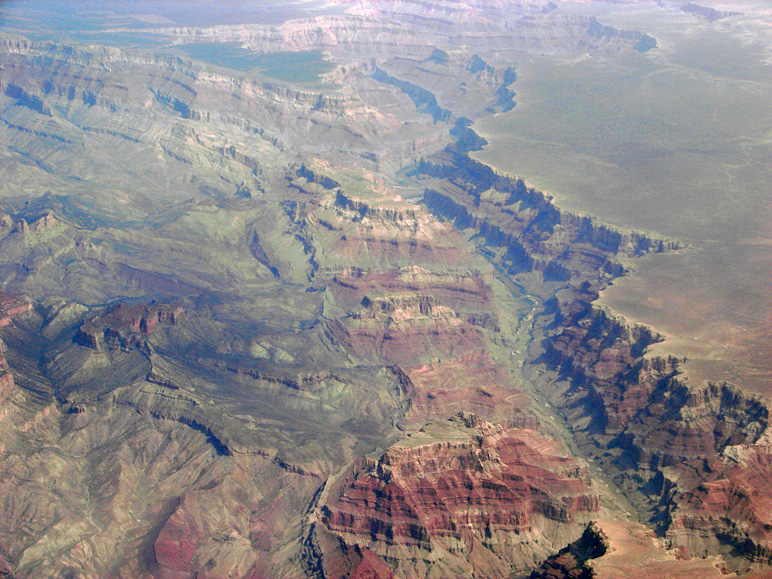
462	291
641	42
406	329
11	306
521	226
661	435
570	562
729	504
126	325
462	495
413	315
602	356
424	100
380	231
618	549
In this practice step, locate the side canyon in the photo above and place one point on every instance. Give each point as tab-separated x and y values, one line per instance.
257	326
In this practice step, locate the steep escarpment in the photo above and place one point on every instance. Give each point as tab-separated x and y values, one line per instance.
523	229
252	352
10	306
123	325
616	549
379	231
407	329
459	496
666	442
406	28
571	561
188	130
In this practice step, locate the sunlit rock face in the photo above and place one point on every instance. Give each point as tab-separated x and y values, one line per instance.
462	495
260	326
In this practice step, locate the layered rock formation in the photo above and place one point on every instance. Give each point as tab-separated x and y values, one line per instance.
378	28
354	287
9	307
461	497
654	430
124	325
617	549
381	231
665	438
523	229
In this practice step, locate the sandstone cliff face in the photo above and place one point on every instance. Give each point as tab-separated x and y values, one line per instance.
125	325
730	504
460	496
379	232
657	433
11	306
522	228
407	329
571	561
663	436
328	316
413	297
9	392
388	26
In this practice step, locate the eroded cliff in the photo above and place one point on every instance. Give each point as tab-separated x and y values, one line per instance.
291	329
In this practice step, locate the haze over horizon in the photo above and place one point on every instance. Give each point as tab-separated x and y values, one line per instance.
346	289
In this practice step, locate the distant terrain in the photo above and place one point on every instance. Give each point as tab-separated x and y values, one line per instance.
384	289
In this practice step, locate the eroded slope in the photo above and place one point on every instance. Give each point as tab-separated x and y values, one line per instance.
257	347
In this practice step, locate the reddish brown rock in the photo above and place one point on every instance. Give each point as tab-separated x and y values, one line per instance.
372	567
381	230
11	306
127	324
6	221
615	549
466	291
734	501
234	529
460	495
602	355
471	383
701	450
43	222
176	545
407	329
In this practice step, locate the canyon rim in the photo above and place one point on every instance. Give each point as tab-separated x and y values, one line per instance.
385	289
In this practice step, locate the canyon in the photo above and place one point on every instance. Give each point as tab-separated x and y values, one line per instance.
255	326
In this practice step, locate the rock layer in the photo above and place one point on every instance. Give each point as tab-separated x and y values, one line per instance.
294	421
460	496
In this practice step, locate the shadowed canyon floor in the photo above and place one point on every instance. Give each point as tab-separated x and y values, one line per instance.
264	314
